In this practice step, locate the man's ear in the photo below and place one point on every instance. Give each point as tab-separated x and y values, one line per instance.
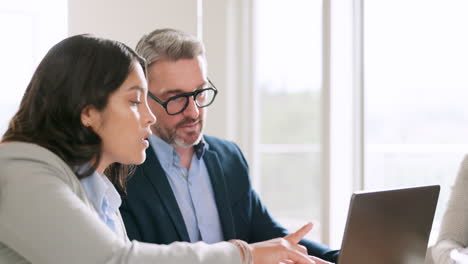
90	117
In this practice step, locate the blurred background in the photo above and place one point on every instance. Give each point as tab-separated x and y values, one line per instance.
324	97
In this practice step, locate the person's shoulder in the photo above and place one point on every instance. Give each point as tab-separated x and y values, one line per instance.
464	163
219	144
461	180
21	156
25	150
218	141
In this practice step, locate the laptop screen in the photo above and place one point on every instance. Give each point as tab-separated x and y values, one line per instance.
389	226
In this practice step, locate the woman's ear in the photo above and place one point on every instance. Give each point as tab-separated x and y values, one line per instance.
90	117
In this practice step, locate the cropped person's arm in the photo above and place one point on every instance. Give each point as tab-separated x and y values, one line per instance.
454	228
43	220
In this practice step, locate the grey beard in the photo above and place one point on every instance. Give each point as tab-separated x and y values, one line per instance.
178	142
171	138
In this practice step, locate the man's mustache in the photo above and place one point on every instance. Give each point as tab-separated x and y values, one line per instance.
188	121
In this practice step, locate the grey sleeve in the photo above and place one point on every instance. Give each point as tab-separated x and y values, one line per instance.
454	228
43	221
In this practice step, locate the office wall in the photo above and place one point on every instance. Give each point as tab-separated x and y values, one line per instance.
127	21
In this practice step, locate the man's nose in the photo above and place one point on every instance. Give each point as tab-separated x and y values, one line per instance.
192	110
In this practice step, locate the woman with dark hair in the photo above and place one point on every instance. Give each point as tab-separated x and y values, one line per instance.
84	115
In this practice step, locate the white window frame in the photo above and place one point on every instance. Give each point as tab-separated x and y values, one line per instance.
227	25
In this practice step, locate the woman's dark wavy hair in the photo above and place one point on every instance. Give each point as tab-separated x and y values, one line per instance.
79	71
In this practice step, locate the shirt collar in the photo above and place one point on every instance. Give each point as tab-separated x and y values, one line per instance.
200	148
167	154
98	188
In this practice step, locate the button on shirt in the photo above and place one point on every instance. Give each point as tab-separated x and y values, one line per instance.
103	196
193	192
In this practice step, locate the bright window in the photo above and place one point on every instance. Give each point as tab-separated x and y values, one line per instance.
416	114
288	81
29	29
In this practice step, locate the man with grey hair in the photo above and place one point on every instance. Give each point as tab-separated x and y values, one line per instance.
192	187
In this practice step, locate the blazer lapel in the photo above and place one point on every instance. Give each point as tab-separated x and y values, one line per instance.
156	175
215	171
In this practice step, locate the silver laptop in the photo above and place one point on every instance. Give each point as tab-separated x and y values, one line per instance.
390	226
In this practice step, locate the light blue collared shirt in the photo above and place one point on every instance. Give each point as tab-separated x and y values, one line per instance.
193	192
104	197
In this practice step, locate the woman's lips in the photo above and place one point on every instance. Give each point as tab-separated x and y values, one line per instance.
145	142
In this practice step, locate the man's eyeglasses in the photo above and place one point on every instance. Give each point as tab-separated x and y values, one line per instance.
177	104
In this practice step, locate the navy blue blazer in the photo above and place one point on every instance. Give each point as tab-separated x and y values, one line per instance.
151	214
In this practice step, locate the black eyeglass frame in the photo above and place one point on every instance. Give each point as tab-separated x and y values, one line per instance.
186	95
